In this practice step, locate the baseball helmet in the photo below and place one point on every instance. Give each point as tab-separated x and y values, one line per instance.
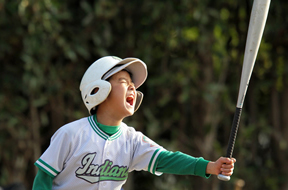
97	74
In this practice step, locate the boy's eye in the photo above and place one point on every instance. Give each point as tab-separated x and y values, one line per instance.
123	81
127	82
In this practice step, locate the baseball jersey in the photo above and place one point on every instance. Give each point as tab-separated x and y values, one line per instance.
81	156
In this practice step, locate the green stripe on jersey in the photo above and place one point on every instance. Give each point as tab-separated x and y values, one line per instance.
116	135
152	162
101	133
46	167
109	130
96	129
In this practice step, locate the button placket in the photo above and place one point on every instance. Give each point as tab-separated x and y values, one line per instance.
107	146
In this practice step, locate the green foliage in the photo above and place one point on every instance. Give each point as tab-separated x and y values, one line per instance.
194	53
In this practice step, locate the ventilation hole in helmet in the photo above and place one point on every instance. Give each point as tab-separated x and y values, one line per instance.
94	91
87	102
85	96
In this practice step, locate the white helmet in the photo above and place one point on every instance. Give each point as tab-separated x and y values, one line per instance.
103	68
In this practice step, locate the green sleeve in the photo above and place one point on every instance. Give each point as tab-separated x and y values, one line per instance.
181	164
42	181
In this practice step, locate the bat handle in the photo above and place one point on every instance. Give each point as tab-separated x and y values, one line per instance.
232	138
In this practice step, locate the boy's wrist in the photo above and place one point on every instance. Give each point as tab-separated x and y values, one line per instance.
209	168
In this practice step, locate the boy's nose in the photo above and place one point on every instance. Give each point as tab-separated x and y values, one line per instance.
131	86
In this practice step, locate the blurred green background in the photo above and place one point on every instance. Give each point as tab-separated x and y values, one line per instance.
194	53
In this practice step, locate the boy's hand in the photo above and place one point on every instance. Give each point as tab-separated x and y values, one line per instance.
223	165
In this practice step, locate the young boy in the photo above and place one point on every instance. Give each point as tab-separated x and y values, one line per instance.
98	151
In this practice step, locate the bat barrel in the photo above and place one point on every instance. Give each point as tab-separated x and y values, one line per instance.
255	31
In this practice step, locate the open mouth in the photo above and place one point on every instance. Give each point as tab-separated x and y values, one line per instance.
130	100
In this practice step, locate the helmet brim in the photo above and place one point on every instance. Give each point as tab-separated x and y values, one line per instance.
133	65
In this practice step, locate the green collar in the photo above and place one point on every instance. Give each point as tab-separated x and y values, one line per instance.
109	130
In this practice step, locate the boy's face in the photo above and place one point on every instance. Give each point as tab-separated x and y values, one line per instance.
122	98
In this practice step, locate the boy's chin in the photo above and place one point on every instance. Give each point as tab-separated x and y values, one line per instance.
129	115
130	111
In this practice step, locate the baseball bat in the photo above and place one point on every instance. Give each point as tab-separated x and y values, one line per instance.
255	31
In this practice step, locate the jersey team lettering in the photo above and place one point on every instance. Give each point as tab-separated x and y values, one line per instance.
105	172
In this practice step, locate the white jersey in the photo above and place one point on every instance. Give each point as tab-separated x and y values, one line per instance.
81	156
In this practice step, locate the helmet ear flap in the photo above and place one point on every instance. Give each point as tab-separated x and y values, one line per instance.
138	100
95	93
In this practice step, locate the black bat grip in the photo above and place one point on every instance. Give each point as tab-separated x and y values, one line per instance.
232	139
233	133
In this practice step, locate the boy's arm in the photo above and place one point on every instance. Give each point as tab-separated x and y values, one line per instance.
183	164
42	181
